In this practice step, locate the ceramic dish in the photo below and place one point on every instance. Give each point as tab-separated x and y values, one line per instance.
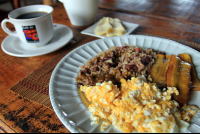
13	46
129	27
63	89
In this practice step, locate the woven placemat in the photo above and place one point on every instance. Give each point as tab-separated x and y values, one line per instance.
35	86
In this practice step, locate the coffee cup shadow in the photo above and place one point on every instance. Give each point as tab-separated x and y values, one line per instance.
57	35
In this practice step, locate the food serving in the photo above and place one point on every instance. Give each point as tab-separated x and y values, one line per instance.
109	27
115	63
114	73
137	106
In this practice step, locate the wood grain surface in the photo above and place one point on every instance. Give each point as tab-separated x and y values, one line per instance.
178	20
186	11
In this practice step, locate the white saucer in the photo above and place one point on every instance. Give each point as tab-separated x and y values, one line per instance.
13	46
129	27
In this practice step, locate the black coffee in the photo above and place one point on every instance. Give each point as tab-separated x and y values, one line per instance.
31	15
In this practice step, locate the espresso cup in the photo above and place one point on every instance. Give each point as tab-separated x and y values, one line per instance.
81	12
33	24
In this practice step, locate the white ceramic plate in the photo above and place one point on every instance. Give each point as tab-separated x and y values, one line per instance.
129	27
13	46
63	90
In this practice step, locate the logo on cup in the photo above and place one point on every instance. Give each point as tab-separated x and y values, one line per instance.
30	34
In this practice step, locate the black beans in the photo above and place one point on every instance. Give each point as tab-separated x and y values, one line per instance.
106	58
163	53
81	73
125	47
91	80
102	61
130	67
87	71
119	68
114	55
96	69
111	65
146	60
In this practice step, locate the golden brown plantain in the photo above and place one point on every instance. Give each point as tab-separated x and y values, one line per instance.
159	69
194	79
178	75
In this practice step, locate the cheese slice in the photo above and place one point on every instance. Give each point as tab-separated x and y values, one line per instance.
103	27
109	27
118	29
116	24
115	32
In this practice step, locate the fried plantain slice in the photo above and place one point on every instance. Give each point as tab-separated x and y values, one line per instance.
159	69
194	79
178	75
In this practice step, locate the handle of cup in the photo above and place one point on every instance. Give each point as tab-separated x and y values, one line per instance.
4	27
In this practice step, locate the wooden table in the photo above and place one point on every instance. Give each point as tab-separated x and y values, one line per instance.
174	19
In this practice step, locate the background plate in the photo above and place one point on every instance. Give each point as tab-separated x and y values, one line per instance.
63	90
129	27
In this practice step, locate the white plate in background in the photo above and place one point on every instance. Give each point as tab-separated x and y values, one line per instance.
63	89
129	27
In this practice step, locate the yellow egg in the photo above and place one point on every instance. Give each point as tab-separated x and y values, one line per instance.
137	106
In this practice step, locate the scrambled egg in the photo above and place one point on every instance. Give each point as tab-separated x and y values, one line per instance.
137	106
